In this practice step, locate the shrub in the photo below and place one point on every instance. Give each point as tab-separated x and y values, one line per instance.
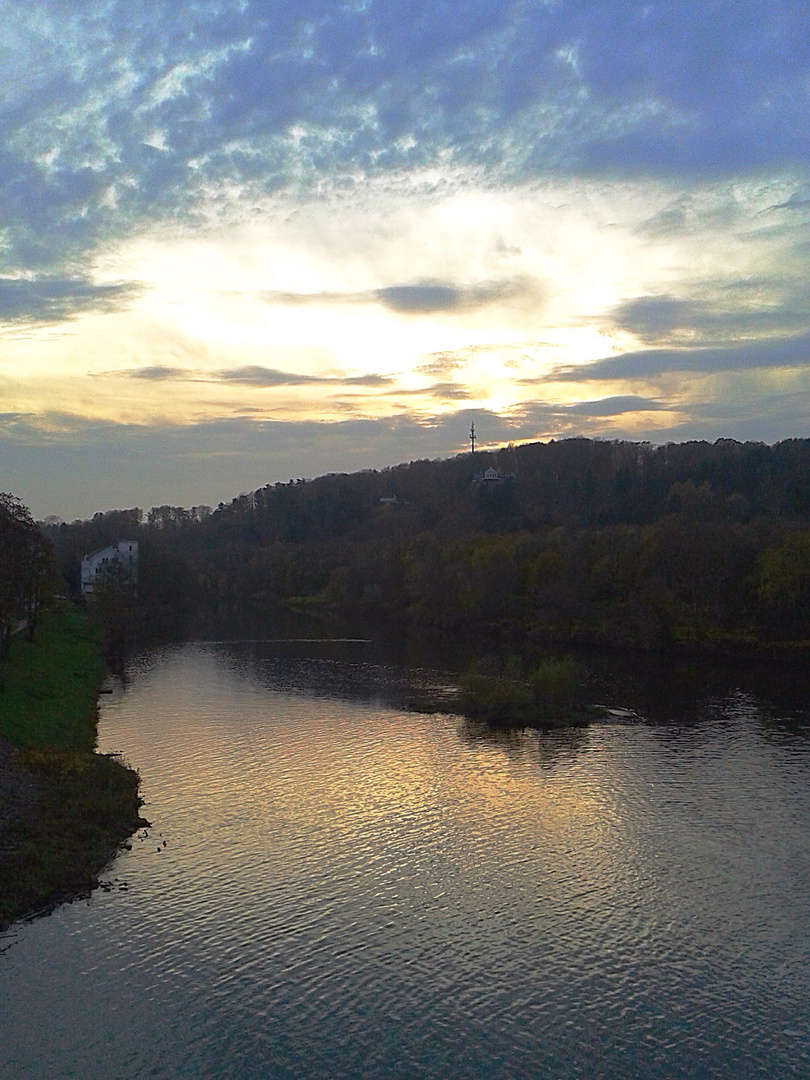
552	693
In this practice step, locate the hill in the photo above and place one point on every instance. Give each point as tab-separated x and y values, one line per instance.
693	545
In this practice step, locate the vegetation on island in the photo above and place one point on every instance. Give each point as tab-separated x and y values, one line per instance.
552	694
64	809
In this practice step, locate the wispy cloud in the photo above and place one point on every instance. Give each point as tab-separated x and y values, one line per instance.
156	373
117	116
441	391
432	296
799	200
256	375
55	299
738	310
615	406
415	298
651	363
463	195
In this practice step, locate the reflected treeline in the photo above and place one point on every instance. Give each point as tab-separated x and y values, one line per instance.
548	748
686	692
376	662
338	666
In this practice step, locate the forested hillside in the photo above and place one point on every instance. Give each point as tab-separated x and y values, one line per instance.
694	544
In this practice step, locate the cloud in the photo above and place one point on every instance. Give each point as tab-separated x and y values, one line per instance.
114	116
249	375
365	380
443	364
256	375
418	298
799	200
157	373
448	391
441	391
737	309
615	406
421	298
654	317
430	296
651	363
53	299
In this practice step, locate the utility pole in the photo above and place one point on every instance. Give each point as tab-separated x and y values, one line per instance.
472	437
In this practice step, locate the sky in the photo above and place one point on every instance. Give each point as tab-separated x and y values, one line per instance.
245	241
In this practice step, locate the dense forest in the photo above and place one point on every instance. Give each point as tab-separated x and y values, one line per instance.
691	545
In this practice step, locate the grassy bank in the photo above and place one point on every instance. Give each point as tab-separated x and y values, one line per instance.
67	809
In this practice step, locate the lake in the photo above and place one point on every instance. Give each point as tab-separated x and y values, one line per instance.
335	887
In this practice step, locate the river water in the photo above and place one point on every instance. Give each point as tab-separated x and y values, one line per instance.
334	887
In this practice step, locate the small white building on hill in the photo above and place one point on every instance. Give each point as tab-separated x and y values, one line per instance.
118	562
488	478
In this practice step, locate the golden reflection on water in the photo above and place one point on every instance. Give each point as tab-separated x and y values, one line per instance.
335	888
297	782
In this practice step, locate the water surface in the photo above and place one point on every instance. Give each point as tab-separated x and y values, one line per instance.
335	887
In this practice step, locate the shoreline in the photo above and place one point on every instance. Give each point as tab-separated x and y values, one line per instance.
65	810
525	636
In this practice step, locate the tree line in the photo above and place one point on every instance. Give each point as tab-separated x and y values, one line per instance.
693	544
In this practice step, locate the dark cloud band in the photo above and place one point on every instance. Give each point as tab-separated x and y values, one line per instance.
418	298
253	375
653	363
54	299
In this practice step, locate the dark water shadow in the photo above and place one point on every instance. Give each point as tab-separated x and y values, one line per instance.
349	668
548	747
326	656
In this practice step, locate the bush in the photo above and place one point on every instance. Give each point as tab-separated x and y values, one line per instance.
552	693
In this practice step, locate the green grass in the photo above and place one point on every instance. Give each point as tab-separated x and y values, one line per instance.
49	688
87	804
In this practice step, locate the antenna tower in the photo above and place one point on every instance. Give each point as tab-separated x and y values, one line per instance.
472	437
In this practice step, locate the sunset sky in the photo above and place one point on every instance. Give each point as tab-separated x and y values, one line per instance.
247	240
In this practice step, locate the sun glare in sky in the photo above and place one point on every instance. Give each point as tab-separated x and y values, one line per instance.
249	241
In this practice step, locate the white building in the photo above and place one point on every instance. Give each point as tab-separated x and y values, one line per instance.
119	561
488	478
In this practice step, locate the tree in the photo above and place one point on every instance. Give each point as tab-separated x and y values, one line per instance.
26	570
782	580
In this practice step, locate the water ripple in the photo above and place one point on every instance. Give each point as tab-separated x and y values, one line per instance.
334	888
